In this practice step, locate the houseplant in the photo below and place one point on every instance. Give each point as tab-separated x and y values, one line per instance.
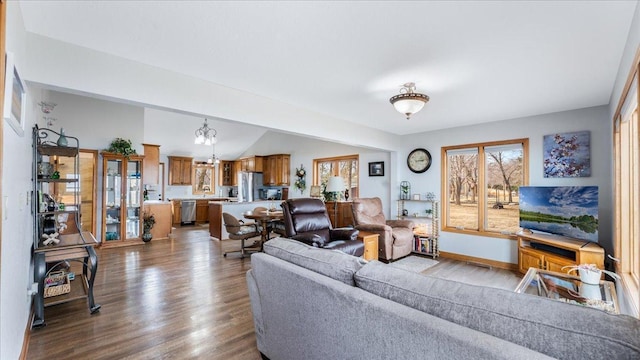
121	146
148	220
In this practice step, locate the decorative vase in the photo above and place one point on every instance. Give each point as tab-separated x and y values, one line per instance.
146	236
62	140
590	277
346	194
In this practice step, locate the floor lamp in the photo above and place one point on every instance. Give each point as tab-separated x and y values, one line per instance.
335	185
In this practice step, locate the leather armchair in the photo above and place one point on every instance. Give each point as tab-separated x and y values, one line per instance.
306	220
396	236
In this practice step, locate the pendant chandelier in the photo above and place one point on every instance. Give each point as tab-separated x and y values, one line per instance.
409	102
205	135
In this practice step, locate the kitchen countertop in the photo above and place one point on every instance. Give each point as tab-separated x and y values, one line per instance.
154	202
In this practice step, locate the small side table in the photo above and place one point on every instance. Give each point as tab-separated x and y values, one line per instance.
370	241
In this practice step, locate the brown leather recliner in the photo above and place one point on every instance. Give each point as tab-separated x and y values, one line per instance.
396	236
306	220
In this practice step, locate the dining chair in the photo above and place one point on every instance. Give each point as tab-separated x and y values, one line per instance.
239	230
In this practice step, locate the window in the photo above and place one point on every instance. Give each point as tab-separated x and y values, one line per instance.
481	184
344	166
627	188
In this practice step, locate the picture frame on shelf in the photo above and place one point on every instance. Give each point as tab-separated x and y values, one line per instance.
15	97
376	168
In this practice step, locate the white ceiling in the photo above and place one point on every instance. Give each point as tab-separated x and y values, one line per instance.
479	61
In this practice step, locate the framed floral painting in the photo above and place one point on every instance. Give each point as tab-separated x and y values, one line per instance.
567	155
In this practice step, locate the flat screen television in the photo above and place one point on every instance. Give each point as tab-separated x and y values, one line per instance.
570	211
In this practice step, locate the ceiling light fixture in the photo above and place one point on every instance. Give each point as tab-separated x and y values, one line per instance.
409	102
205	135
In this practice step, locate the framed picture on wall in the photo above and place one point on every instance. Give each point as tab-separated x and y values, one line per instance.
14	97
376	168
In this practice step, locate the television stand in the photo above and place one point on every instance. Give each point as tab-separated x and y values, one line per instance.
552	252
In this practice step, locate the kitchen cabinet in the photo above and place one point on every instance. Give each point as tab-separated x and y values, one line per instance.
227	173
340	213
277	170
151	164
180	170
252	164
202	211
122	193
176	206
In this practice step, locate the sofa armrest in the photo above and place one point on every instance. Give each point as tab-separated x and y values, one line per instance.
344	234
401	223
309	239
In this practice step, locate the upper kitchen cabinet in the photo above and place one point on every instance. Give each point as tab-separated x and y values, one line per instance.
180	170
227	173
151	164
252	164
276	170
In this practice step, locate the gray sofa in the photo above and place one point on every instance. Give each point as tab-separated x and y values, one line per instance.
311	303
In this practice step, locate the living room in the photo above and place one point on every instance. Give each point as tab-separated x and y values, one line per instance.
144	91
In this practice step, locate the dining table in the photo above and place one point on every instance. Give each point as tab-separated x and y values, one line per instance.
264	217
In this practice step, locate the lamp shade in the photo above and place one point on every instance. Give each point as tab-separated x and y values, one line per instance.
409	102
335	184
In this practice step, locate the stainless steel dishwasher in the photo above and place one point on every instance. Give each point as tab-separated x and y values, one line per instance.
188	212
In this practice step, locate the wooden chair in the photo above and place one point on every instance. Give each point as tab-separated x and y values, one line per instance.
239	230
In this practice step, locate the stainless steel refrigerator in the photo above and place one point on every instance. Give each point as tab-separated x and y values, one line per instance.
248	186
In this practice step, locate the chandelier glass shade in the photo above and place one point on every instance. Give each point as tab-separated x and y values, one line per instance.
205	135
409	102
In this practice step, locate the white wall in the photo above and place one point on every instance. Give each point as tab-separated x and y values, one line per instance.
593	119
17	227
95	123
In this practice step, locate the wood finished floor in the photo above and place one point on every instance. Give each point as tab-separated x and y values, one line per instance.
179	299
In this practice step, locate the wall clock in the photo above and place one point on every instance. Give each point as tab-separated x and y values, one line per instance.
419	160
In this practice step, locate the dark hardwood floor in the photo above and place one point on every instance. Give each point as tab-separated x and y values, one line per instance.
178	299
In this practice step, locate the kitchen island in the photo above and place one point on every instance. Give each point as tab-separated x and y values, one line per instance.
161	211
202	207
237	209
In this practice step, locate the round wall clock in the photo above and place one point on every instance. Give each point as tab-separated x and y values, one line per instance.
419	160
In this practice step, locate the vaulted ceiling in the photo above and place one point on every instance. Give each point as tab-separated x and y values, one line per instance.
479	61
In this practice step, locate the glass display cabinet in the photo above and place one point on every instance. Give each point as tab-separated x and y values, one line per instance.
122	197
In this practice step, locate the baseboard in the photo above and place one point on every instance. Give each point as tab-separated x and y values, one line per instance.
27	336
492	263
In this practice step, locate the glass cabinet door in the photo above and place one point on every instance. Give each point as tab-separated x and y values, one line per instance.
112	198
133	191
122	198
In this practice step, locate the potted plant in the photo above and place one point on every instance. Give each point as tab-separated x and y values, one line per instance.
122	147
589	273
148	220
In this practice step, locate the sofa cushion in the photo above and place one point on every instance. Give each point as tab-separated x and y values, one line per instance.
551	327
332	263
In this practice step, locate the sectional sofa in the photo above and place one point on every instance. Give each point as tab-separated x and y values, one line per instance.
311	303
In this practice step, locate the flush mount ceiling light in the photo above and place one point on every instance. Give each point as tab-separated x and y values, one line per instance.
205	135
409	102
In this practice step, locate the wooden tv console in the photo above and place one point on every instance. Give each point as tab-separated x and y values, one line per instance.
551	252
